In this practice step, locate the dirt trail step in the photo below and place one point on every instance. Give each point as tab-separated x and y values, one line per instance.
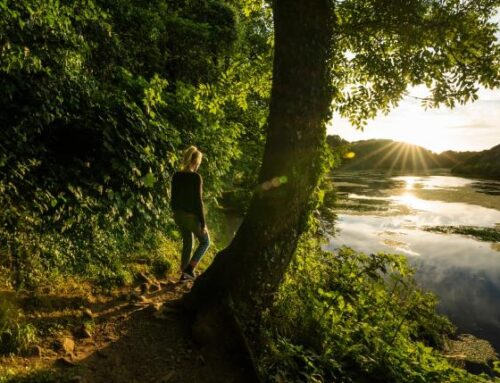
139	340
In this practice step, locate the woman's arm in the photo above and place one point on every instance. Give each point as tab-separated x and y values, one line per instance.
199	201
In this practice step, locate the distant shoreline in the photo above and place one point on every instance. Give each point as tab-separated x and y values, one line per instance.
392	157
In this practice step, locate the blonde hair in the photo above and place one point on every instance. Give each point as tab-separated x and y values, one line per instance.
191	156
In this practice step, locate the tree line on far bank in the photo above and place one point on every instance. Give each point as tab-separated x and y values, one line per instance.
389	155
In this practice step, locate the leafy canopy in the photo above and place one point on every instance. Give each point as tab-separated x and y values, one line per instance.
382	47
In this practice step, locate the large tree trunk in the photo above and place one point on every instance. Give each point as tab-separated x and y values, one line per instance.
248	272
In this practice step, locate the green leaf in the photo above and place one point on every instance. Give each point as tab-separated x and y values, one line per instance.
149	180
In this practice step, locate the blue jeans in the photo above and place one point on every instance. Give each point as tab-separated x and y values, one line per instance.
189	224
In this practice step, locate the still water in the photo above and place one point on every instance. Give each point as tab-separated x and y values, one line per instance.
381	213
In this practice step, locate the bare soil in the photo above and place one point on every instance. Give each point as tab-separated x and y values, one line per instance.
135	336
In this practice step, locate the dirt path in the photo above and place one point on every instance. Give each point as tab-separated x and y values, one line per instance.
134	338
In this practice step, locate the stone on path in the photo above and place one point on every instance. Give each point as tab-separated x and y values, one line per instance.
143	278
144	288
65	362
155	287
166	378
36	351
82	332
88	314
65	344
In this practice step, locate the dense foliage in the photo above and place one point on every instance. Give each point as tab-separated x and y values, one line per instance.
382	47
351	317
16	334
99	98
485	164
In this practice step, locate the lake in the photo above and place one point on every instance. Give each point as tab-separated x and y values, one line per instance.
377	212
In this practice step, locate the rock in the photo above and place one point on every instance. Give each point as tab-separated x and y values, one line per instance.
155	287
65	362
82	332
50	354
478	368
144	288
36	351
102	354
170	309
115	359
123	297
159	315
153	309
88	314
203	333
86	334
6	338
109	338
143	278
201	359
166	378
68	345
136	297
474	354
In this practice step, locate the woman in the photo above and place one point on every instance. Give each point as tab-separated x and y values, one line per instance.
187	206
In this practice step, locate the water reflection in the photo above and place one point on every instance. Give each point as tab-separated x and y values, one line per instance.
409	200
387	214
434	182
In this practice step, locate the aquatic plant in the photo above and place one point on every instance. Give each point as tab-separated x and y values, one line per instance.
487	234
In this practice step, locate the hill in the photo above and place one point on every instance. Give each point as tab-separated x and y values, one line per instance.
451	158
383	154
484	164
389	155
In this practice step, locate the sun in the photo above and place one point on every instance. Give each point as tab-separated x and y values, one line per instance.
427	137
468	127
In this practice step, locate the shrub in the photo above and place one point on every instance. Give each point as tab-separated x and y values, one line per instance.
16	336
352	317
99	98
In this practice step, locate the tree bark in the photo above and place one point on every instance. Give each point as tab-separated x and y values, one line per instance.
248	272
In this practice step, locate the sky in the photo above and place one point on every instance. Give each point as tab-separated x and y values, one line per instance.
474	126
